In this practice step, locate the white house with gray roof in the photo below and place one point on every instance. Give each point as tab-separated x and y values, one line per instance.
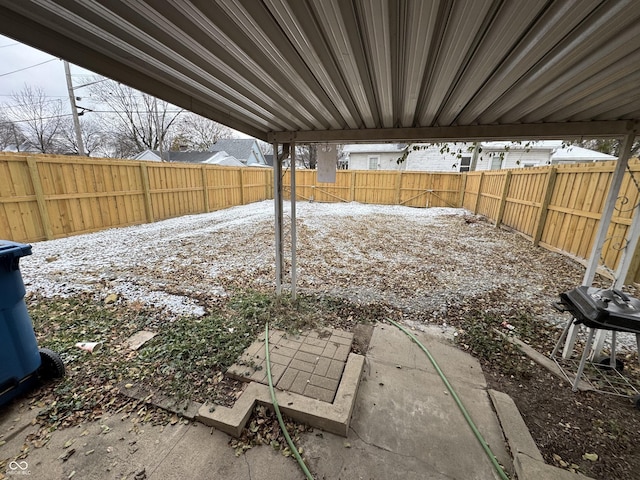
382	156
458	157
246	150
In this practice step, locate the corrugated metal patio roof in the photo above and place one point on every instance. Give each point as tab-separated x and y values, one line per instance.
378	70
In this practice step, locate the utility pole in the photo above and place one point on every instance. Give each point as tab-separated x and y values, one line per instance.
74	110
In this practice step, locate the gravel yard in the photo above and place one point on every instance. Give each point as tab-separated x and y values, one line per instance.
433	264
430	261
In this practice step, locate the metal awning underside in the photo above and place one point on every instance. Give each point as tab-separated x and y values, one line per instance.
338	70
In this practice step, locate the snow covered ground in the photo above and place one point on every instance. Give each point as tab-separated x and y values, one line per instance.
434	261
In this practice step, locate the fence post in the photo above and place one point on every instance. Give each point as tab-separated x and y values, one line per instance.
241	172
477	206
147	192
503	198
544	206
267	182
41	201
398	183
205	189
353	186
463	187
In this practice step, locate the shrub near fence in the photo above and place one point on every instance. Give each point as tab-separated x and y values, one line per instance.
48	196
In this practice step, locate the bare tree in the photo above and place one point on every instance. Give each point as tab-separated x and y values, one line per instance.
41	120
138	120
198	133
95	139
10	134
610	146
308	155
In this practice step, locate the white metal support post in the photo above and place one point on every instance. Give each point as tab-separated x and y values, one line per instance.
633	234
294	232
603	228
277	202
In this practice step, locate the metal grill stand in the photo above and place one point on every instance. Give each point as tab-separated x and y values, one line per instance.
599	309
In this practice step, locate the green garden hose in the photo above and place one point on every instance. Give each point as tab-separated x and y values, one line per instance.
453	393
292	446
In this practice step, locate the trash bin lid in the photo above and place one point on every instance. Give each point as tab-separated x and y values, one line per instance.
11	250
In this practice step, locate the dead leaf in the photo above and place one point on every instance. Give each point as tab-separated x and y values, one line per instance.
67	455
111	298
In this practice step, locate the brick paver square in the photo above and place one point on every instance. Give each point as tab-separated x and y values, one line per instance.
330	350
279	359
306	357
300	383
304	366
316	342
342	333
275	336
312	349
324	382
276	373
287	379
309	364
254	348
289	352
335	369
322	366
342	353
293	344
259	374
319	393
340	340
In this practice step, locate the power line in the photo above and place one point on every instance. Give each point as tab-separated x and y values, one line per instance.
137	111
47	96
35	119
19	105
9	45
27	68
69	114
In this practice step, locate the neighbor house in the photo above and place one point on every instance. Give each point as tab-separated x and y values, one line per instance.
503	155
459	156
371	156
208	157
246	150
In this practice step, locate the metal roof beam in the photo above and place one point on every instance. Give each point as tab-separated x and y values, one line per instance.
471	133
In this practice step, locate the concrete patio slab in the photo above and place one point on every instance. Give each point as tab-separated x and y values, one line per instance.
400	422
117	448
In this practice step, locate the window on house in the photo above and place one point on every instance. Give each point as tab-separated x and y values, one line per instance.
465	164
373	163
496	163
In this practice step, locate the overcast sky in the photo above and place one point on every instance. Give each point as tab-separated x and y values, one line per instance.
49	76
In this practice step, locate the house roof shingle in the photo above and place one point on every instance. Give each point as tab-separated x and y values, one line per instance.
239	148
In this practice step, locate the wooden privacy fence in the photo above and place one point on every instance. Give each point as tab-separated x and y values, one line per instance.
412	189
49	196
559	207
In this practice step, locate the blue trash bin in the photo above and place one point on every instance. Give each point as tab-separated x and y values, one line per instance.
20	358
